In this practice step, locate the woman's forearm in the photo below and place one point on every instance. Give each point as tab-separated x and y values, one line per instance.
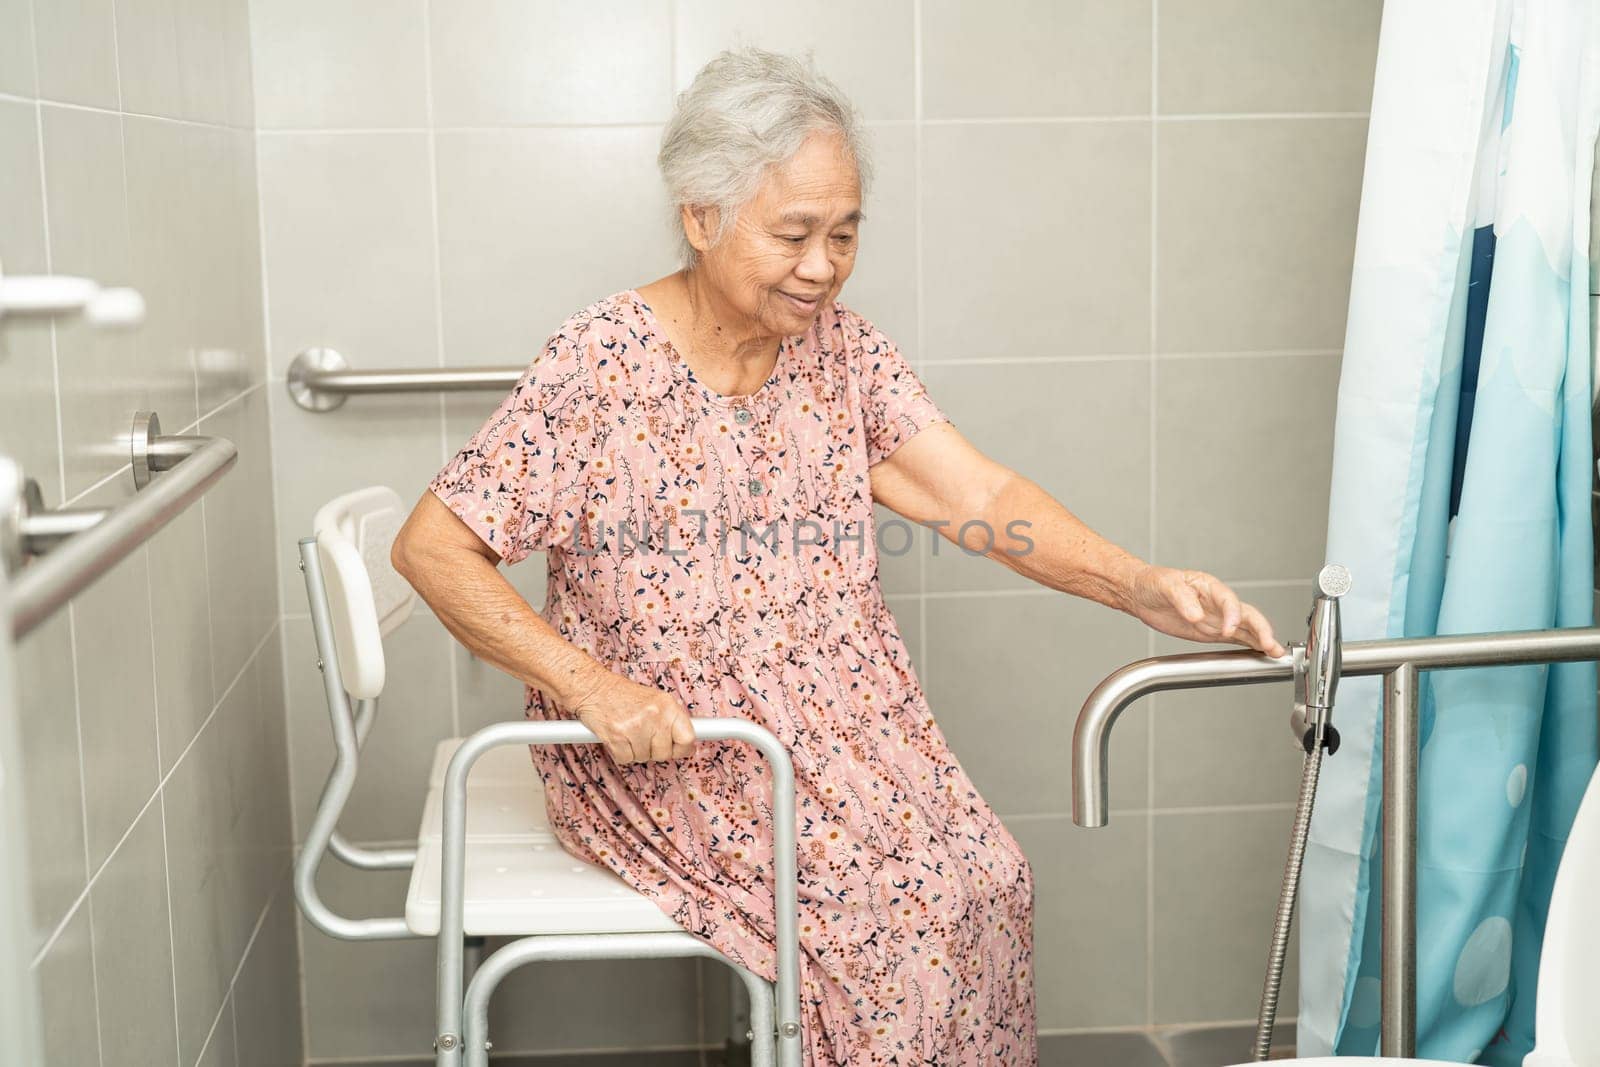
469	595
1035	535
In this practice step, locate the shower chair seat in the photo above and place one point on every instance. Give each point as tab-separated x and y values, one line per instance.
519	880
500	871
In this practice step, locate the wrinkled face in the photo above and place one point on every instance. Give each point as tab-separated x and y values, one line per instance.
793	245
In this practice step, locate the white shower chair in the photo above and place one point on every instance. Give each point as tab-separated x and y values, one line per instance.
486	862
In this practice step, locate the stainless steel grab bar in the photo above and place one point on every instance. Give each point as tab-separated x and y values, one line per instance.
1399	660
78	558
319	379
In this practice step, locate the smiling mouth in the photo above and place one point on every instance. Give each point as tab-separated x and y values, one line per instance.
803	305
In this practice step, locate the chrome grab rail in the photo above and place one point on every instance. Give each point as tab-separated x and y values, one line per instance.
78	546
1399	660
319	379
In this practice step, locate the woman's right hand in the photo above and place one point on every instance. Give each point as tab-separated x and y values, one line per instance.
636	723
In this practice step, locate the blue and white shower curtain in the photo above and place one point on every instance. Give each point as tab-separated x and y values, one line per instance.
1460	503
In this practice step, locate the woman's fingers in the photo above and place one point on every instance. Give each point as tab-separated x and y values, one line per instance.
1256	631
661	742
1222	604
682	736
621	749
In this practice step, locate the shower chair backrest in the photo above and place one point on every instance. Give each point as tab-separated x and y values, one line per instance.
367	598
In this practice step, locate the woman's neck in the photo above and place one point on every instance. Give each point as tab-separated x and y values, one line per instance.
727	351
719	332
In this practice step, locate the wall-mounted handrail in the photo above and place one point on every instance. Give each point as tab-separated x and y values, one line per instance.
42	587
319	379
56	294
1399	660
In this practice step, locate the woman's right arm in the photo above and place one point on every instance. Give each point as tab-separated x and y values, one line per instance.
459	577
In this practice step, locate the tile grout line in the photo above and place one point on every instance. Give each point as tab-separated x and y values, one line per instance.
84	894
277	526
919	299
992	120
438	309
244	957
166	852
1153	438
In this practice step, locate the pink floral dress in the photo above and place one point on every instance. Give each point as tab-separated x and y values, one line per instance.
636	481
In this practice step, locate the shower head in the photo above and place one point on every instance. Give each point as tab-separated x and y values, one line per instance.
1323	640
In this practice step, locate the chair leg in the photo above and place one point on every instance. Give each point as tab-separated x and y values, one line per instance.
763	1029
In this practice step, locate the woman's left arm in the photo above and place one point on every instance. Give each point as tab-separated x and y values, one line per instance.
937	478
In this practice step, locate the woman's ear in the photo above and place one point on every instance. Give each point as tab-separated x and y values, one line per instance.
700	223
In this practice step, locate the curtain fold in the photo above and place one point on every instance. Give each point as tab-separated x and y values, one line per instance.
1460	503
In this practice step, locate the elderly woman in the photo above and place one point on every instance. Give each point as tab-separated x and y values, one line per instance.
698	459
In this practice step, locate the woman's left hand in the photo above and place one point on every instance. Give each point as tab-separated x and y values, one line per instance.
1197	607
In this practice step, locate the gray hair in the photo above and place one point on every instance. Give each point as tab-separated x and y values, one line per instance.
747	111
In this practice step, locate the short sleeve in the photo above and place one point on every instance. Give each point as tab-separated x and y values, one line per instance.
895	403
520	482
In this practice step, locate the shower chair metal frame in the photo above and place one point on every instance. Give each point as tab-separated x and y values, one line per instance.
462	1019
1400	662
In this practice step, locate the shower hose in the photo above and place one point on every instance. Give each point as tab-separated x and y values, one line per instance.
1281	926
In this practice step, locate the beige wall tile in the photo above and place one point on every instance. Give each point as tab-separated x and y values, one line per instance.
1243	464
365	999
1255	232
349	258
133	944
102	379
28	432
511	62
69	1020
51	773
116	700
378	440
1267	55
199	807
239	523
1005	676
1036	240
1035	58
171	230
266	995
866	49
76	50
1216	880
1089	920
883	286
537	224
150	57
1081	430
330	64
16	48
230	340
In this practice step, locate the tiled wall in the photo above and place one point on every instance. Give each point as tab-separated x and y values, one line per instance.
1115	236
152	710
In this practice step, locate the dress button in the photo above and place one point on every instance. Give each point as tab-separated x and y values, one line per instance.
755	487
743	416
